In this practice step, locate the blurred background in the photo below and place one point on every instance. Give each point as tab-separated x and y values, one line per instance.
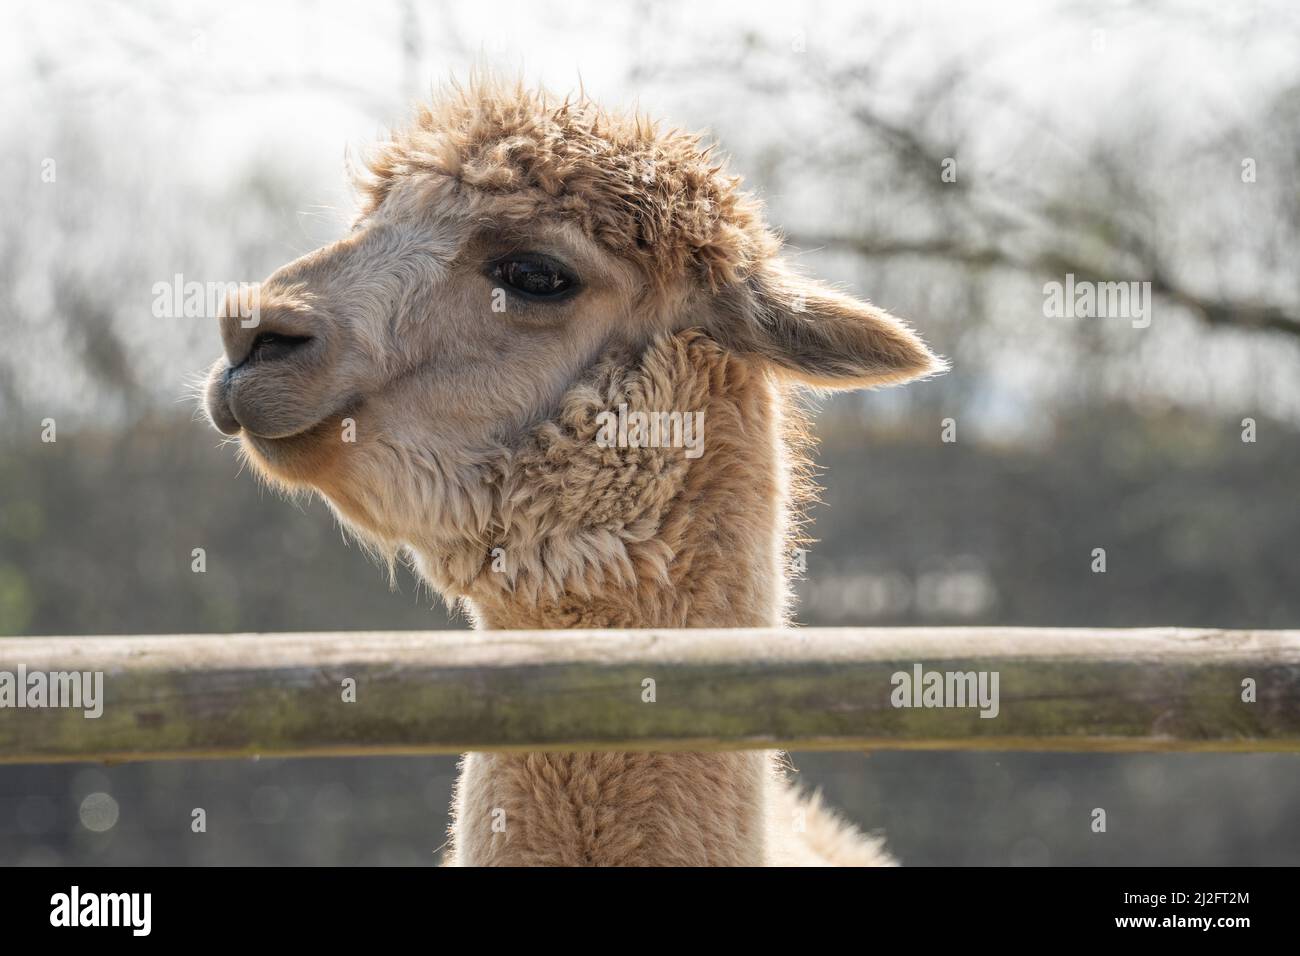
1112	141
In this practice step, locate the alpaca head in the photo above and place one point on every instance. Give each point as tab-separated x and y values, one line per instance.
506	242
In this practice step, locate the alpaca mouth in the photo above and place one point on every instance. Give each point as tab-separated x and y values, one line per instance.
232	414
285	436
280	448
221	415
241	402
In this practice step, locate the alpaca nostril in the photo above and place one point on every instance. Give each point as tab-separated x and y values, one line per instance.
273	346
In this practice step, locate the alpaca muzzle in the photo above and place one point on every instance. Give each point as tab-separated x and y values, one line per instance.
276	378
217	402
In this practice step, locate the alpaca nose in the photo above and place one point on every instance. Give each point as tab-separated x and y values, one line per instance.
272	333
273	346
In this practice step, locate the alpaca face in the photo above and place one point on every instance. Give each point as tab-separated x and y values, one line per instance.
383	364
462	327
505	245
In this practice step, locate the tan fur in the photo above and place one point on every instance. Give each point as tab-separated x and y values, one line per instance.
475	450
653	197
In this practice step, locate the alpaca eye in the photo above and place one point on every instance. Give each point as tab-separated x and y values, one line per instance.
534	277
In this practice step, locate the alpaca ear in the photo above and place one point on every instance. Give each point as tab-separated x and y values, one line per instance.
821	337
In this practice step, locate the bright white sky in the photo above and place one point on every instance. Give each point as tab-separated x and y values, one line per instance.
309	75
199	93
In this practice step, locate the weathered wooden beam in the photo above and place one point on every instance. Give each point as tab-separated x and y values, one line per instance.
192	696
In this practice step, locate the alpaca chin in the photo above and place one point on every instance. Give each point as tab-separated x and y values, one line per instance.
298	461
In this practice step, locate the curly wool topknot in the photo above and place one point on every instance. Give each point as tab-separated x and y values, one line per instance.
659	199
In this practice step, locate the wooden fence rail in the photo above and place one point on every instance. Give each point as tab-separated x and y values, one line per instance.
191	696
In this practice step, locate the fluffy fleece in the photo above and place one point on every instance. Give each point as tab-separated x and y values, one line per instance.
641	537
651	196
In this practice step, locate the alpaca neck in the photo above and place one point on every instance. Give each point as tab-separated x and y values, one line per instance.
702	541
706	552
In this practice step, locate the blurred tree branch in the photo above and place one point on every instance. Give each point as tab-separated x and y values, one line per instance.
1068	202
1212	310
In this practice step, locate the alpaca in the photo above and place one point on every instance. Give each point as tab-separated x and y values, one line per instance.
521	267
